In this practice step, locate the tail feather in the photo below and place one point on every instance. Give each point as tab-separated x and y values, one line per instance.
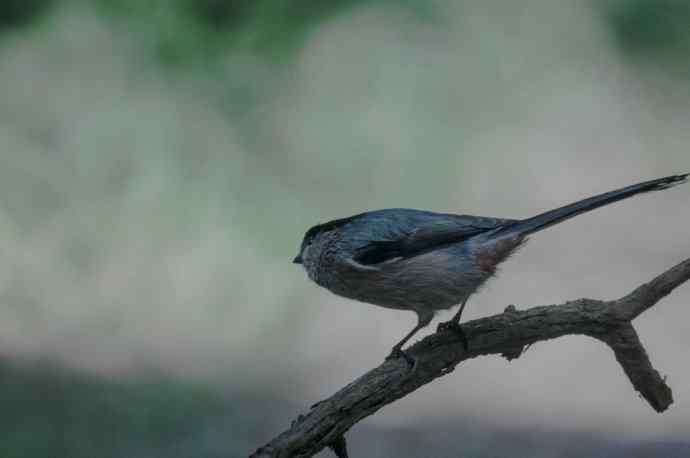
549	218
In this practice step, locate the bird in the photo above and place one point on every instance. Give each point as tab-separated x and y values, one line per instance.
424	261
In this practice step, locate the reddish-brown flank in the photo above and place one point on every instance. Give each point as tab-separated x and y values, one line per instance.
490	256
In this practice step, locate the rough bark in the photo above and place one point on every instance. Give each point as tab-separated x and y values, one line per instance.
507	334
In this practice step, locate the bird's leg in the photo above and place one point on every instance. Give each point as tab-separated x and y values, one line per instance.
456	317
454	325
423	319
397	352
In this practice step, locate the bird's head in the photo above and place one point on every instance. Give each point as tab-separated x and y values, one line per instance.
315	240
304	254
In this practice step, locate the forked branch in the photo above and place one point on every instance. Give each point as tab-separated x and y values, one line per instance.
506	334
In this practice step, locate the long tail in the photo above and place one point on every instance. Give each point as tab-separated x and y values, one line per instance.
549	218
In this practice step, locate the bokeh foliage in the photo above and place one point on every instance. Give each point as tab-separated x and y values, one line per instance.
16	13
186	30
652	29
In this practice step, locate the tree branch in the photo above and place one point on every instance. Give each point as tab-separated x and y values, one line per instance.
506	334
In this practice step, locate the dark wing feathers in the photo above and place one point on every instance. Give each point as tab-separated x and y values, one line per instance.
379	251
424	234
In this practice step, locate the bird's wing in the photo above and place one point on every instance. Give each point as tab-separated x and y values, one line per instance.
426	235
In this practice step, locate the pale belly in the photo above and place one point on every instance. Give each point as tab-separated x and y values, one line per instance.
433	281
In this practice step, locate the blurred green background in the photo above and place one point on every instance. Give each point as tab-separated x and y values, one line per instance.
162	159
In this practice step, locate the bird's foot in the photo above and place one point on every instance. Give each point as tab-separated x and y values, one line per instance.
398	353
454	326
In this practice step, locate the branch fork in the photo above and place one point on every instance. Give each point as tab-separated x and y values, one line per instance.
508	335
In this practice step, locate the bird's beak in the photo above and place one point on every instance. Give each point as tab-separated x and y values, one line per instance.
298	259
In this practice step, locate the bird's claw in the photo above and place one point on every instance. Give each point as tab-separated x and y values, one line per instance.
454	326
398	353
